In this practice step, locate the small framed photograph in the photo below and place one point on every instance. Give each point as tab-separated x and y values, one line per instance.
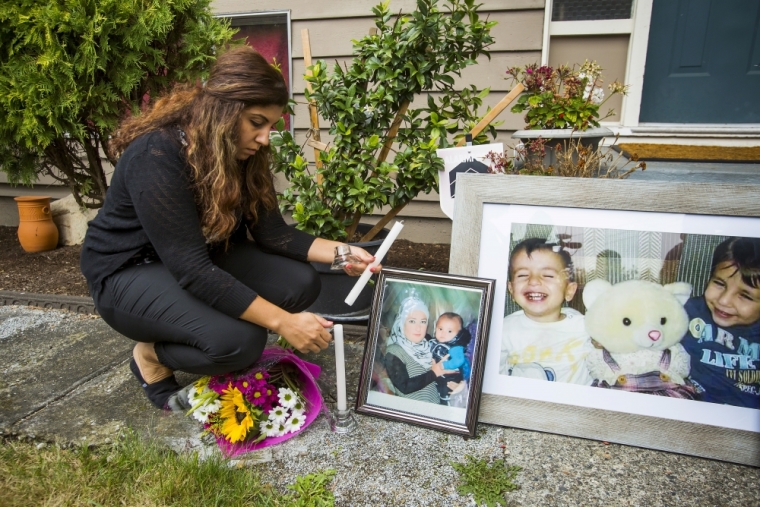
625	311
423	360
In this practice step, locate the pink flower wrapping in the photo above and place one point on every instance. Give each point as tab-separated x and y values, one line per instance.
307	373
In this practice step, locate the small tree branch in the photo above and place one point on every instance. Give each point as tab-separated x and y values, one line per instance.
95	169
351	229
57	152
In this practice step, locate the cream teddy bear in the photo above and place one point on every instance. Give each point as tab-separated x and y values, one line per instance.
637	327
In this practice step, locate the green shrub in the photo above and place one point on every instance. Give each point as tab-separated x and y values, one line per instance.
412	54
71	69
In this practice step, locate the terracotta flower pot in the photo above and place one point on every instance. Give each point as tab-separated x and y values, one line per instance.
36	230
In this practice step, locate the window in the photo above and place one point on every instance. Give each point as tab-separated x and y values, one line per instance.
269	34
587	10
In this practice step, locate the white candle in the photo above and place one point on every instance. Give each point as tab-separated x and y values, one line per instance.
340	366
384	247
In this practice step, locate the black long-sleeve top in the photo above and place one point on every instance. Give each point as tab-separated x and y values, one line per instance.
399	375
151	205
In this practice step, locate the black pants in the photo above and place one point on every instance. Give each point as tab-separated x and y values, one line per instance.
145	303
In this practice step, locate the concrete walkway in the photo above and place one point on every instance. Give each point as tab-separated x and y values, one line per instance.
65	379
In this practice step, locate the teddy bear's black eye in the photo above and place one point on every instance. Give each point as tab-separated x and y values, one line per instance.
626	321
663	321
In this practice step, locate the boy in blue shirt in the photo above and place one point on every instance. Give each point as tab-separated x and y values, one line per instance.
451	339
724	327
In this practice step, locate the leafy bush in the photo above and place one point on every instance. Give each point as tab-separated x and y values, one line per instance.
368	105
71	69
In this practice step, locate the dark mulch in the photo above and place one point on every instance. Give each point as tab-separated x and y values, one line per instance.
52	272
57	271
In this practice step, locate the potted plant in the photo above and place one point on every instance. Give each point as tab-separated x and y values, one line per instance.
383	150
369	106
561	103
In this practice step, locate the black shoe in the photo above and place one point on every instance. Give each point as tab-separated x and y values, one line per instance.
158	392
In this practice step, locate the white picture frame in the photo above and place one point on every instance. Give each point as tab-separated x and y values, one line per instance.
485	210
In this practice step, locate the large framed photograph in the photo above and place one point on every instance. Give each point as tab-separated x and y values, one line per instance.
625	311
423	360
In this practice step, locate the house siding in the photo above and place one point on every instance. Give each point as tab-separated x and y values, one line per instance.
332	26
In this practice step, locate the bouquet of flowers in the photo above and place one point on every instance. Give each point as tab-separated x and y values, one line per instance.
258	407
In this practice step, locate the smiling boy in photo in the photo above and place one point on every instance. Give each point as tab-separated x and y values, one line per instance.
544	340
724	327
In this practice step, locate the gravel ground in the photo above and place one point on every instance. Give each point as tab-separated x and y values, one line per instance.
382	462
390	463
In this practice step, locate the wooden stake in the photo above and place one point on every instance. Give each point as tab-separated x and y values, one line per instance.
392	132
313	115
493	113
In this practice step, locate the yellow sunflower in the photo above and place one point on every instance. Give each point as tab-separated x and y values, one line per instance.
235	414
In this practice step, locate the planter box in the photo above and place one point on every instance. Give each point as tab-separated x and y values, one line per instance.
590	137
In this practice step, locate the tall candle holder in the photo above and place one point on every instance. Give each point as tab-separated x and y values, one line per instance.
342	421
342	418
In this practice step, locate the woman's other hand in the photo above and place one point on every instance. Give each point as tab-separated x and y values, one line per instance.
306	332
455	387
357	268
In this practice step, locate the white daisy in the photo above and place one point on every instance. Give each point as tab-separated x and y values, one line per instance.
270	428
281	430
299	406
192	395
287	397
294	423
278	414
202	413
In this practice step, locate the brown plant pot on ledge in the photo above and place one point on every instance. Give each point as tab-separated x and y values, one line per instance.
36	230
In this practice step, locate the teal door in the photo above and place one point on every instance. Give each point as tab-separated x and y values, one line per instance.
703	62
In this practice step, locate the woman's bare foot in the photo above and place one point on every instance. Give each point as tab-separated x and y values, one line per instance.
151	370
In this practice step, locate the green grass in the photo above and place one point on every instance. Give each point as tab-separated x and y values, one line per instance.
487	482
135	473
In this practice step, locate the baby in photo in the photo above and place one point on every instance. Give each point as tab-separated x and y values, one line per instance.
544	340
451	340
723	339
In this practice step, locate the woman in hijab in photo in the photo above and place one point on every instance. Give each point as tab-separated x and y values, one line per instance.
408	360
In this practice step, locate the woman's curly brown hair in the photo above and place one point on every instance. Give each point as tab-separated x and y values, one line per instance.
224	186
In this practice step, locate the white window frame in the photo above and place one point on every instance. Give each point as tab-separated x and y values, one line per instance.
638	28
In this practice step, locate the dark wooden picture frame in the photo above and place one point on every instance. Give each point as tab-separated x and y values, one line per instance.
398	386
698	202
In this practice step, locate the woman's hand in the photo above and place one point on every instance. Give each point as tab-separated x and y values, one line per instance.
357	268
437	368
306	332
323	250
